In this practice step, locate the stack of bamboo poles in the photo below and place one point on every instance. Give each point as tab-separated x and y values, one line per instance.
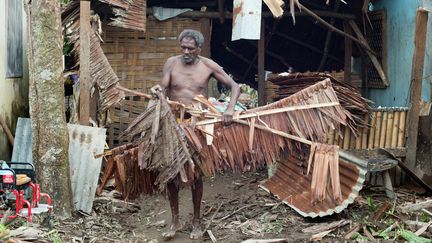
386	130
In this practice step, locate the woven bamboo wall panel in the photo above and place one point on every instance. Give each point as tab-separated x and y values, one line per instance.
137	58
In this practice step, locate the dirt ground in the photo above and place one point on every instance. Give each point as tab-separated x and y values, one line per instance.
235	209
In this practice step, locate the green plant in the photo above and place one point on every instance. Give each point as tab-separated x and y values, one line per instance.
372	206
54	236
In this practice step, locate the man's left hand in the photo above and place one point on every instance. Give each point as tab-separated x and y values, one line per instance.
227	118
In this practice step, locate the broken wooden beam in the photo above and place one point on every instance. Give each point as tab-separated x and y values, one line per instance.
336	30
370	53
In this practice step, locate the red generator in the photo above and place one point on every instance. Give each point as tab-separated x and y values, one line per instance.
20	192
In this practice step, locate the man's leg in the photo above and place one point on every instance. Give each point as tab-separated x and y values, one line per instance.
197	192
173	191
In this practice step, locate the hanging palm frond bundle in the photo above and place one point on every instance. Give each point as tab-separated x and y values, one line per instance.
161	143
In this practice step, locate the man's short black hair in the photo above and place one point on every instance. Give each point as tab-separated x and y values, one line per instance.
194	34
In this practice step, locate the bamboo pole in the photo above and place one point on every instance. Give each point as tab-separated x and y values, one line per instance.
377	129
358	140
346	138
401	131
261	113
389	131
336	137
365	133
395	129
277	132
383	130
330	137
372	130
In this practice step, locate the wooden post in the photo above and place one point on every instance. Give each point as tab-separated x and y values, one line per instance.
261	78
348	54
416	82
85	30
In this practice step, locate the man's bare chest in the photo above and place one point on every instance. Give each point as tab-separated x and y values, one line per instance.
195	75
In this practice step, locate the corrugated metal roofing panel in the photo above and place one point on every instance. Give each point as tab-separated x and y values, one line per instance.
292	186
22	149
84	143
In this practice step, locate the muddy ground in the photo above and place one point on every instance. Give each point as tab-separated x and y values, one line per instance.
235	209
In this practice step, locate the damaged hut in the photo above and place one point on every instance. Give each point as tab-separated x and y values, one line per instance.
130	41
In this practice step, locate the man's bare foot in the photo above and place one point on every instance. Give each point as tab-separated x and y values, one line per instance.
197	232
170	233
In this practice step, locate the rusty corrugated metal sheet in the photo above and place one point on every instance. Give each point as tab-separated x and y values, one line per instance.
293	187
246	19
84	143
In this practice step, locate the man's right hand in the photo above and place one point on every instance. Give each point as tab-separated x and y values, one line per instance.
227	118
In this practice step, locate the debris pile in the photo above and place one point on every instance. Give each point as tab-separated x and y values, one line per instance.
281	86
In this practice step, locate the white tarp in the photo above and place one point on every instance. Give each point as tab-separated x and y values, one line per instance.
246	19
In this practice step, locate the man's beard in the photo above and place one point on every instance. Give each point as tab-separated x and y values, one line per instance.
187	59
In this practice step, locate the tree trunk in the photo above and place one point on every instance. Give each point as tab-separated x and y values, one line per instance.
47	109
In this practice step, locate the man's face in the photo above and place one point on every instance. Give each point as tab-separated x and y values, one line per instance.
189	49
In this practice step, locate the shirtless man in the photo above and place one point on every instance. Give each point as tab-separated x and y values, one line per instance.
184	77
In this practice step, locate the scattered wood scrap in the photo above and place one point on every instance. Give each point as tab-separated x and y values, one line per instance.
325	226
416	206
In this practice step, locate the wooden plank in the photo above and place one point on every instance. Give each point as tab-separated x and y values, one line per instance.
348	54
261	55
85	30
416	82
372	56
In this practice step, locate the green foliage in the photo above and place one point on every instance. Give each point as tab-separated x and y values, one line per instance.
64	2
372	206
54	236
411	237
